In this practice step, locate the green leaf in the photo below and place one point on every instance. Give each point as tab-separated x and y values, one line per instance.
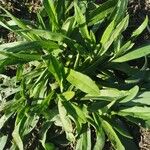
49	146
47	44
135	54
21	115
131	94
126	47
82	82
17	138
79	112
141	28
4	25
69	25
19	23
61	9
41	77
51	114
13	46
137	77
93	37
28	46
29	124
84	141
4	118
136	111
113	93
68	95
50	9
41	21
46	102
19	73
100	140
57	70
147	124
73	110
120	10
143	98
12	105
112	135
101	12
81	21
54	36
43	133
39	91
119	126
107	33
100	135
3	141
16	20
21	56
66	122
98	98
116	32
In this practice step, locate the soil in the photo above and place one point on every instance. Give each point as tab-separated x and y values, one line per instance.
137	9
145	139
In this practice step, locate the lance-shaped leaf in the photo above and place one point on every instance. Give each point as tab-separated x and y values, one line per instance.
66	122
116	32
3	141
82	82
135	54
29	46
100	140
43	133
136	111
4	118
29	124
16	20
141	28
81	21
57	70
50	9
131	94
107	33
84	141
21	56
16	136
101	12
113	137
74	111
120	10
143	98
100	135
46	34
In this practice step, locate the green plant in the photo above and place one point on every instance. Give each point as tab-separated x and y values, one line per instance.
66	88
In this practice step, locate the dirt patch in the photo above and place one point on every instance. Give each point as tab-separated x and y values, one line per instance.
145	139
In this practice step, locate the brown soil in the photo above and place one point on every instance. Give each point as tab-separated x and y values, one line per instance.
145	139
